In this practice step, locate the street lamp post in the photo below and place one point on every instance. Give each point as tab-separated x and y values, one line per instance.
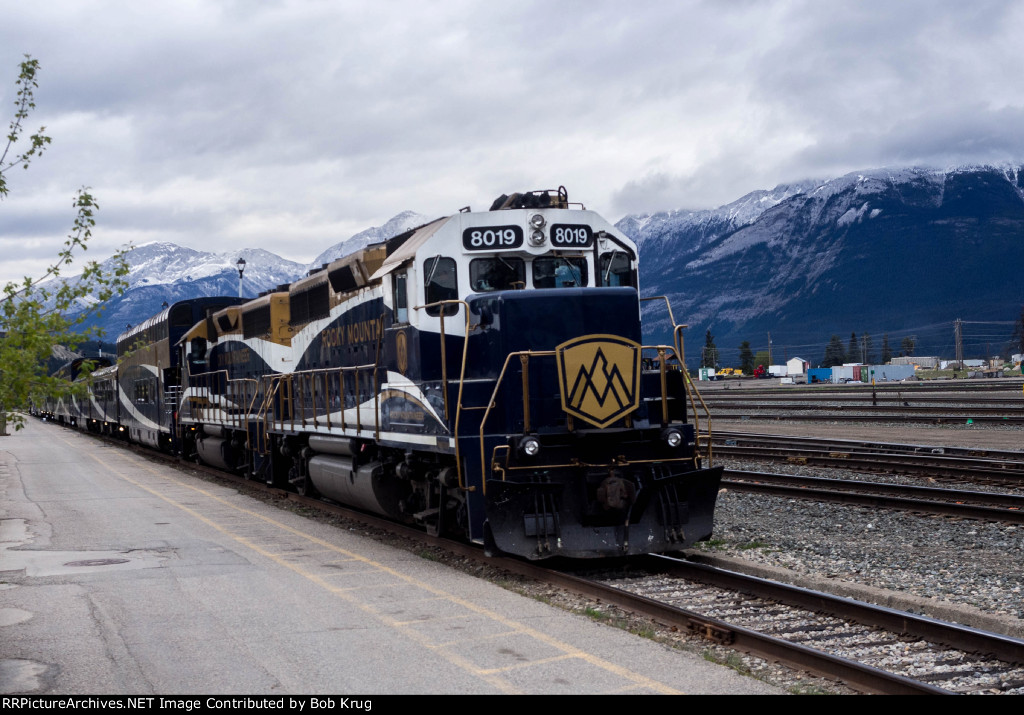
241	269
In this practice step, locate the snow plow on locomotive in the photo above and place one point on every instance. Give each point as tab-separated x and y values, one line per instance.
483	374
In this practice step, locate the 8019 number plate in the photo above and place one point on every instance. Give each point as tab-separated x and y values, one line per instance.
490	238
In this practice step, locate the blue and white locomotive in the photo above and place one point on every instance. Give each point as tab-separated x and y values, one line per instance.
482	374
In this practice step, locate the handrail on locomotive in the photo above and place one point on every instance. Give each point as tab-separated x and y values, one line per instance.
271	384
443	314
691	390
665	355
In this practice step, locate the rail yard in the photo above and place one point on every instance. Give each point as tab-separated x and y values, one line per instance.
996	401
925	506
874	556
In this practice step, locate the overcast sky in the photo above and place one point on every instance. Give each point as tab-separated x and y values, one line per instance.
291	125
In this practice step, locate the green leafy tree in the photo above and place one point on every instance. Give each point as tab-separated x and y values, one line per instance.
853	349
761	359
37	314
886	350
746	358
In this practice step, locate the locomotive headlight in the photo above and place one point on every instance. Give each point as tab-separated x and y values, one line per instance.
529	446
537	221
673	437
537	238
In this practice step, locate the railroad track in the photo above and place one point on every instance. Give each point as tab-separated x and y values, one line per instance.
901	398
871	649
903	403
880	415
974	465
990	506
1012	387
946	410
833	443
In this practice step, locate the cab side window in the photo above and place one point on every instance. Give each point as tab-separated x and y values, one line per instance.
400	296
617	270
439	282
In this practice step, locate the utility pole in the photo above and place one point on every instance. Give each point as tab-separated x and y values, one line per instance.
770	349
958	333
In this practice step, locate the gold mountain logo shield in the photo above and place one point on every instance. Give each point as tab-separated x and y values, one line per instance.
599	376
402	348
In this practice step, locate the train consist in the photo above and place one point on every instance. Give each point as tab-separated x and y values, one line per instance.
481	375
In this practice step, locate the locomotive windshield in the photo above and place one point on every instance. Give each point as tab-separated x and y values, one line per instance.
559	272
498	273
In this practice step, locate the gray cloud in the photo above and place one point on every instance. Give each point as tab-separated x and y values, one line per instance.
291	125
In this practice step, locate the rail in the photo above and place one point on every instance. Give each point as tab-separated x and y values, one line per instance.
306	398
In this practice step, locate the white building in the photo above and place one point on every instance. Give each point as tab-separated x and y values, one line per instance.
797	366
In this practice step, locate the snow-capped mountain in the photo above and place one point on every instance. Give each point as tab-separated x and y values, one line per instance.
705	225
888	250
396	225
880	251
161	263
165	272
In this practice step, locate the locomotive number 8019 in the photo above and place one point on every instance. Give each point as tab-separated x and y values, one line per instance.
455	376
490	238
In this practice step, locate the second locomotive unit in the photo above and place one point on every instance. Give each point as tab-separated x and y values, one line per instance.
482	374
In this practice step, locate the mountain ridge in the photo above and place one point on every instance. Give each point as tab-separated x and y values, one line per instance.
891	250
878	251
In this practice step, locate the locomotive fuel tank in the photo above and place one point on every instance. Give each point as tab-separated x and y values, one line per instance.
336	475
